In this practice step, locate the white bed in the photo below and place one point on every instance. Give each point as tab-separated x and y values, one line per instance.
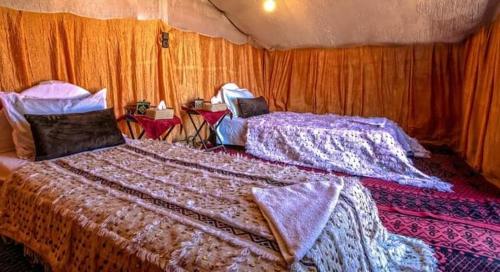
372	147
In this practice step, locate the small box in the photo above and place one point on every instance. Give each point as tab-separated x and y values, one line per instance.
160	114
214	107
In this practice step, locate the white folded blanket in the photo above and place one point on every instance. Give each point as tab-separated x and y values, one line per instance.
297	214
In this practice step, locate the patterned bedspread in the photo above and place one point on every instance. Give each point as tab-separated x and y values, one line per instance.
370	147
152	206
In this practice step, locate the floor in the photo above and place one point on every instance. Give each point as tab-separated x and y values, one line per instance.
462	227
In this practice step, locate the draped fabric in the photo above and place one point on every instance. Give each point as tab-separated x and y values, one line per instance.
441	93
122	55
480	135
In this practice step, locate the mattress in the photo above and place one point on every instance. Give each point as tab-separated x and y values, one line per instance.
233	131
153	206
9	162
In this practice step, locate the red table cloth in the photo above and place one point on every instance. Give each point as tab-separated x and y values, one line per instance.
212	117
155	128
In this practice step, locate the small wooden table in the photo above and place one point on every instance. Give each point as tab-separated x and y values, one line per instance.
210	118
151	127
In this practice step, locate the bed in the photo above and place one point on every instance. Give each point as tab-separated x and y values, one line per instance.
148	205
372	147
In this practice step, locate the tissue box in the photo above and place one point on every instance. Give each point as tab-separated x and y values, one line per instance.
214	107
160	114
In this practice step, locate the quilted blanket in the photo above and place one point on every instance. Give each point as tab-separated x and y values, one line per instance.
370	147
147	205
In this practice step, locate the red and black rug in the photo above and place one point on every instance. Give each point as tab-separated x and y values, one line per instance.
463	227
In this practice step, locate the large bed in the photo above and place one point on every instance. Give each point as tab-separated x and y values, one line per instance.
149	205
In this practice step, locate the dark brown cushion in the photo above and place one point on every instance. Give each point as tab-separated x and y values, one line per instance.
60	135
249	107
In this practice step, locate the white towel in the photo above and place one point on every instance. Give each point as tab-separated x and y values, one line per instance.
297	214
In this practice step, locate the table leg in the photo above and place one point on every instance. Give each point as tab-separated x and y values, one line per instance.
142	134
197	131
168	132
130	129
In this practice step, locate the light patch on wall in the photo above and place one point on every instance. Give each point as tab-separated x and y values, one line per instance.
269	5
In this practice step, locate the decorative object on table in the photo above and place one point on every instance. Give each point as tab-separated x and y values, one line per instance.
214	107
160	112
141	107
212	119
151	127
198	103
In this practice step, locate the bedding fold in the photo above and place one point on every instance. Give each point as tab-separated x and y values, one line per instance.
297	214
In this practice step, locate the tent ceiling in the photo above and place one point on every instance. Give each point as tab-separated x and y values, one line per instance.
296	23
333	23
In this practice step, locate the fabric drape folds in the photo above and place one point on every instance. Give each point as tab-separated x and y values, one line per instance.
123	55
480	134
442	93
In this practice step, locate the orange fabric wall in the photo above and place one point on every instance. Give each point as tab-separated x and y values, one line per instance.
442	93
480	135
123	55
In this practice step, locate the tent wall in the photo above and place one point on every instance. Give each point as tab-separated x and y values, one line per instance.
198	15
480	135
124	55
444	93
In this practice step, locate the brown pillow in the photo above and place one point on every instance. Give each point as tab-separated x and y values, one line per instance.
65	134
249	107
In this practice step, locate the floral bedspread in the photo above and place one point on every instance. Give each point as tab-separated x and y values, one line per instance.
371	147
152	206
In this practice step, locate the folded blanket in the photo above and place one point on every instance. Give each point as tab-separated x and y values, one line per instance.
297	214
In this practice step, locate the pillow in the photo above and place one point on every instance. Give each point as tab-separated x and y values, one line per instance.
249	107
230	96
6	143
16	106
55	89
65	134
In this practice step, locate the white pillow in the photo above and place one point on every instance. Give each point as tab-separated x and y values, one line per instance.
54	89
6	143
16	106
230	96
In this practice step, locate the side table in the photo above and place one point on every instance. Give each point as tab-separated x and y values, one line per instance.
210	118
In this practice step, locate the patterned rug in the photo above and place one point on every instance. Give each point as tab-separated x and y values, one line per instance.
463	227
